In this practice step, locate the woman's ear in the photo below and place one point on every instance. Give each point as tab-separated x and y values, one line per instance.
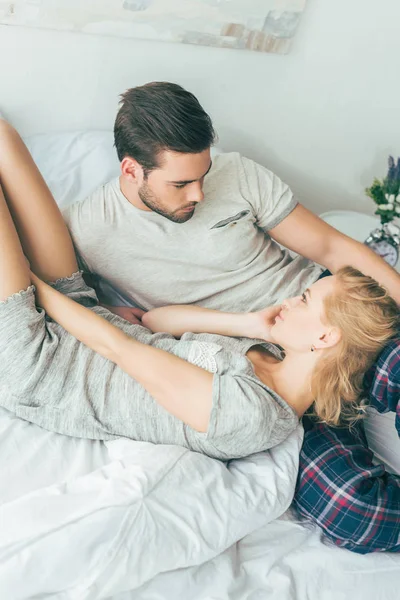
329	339
132	170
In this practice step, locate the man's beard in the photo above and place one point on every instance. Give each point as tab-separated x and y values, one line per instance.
153	202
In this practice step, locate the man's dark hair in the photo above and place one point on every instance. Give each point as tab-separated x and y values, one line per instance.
160	116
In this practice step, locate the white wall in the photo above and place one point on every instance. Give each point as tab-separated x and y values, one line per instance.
324	117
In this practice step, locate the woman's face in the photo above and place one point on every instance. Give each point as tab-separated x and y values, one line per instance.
300	324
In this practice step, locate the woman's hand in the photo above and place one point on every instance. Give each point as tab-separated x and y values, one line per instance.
41	289
133	315
259	323
179	319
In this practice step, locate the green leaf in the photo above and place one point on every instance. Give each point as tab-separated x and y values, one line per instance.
376	192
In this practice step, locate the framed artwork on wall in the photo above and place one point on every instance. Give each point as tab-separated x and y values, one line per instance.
259	25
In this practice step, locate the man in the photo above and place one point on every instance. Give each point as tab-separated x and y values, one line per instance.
179	228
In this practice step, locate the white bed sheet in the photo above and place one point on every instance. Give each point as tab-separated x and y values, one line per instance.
281	561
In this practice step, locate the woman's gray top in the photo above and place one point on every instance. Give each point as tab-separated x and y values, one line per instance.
49	378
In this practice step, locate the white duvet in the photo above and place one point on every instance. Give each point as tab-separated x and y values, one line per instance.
119	514
81	520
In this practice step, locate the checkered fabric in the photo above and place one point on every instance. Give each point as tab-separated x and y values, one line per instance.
356	503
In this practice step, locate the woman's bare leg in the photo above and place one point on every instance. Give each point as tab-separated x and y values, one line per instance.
14	271
44	237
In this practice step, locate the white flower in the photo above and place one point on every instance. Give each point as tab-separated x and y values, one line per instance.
398	198
391	198
387	196
383	206
390	206
397	209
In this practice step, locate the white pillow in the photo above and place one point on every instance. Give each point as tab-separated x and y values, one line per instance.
75	164
383	439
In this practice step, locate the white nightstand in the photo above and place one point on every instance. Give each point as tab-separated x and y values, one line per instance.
354	224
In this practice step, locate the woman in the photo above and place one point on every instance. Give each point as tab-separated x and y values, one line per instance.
77	369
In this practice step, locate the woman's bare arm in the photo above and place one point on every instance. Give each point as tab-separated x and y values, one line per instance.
181	388
182	318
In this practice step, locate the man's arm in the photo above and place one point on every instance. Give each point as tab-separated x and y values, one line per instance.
308	235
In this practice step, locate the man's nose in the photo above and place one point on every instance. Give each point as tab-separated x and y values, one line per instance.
196	193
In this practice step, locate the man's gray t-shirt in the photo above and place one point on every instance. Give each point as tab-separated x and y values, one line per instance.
222	258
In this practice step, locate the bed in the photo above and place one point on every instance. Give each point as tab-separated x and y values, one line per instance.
128	520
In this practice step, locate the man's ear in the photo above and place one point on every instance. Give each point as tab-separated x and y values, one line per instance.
329	339
132	171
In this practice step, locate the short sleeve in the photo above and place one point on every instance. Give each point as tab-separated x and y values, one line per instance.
246	417
76	288
272	200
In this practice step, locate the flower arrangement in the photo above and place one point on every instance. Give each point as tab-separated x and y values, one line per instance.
386	193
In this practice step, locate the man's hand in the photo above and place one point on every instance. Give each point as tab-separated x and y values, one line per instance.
133	315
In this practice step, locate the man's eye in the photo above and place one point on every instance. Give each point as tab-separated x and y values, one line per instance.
180	185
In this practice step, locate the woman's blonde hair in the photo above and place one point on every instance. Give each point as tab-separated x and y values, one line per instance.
367	318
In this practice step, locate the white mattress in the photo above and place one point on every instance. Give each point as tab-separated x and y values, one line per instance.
182	542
